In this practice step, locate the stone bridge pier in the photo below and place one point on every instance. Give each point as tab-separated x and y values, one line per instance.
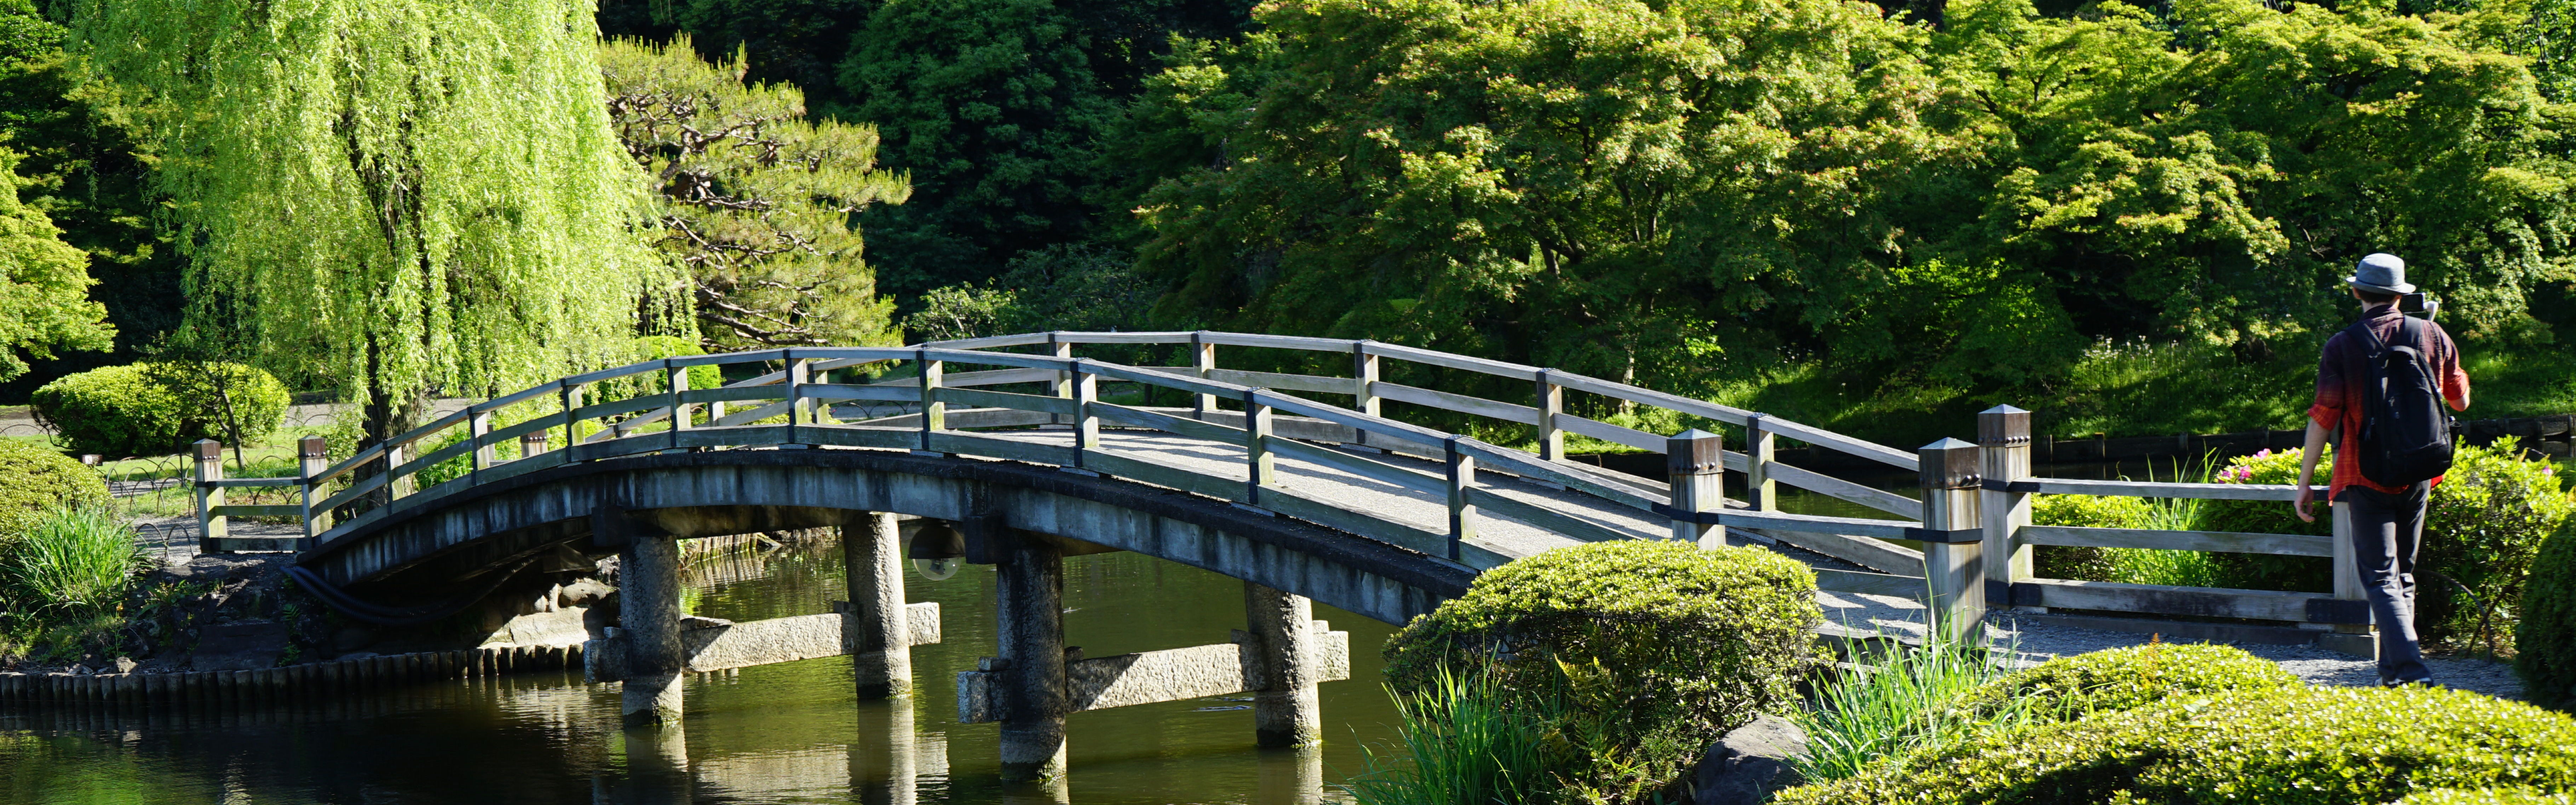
1035	680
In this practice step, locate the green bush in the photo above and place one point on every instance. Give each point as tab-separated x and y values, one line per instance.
2483	527
2081	511
2545	637
119	411
71	560
2489	796
2125	678
2284	746
1657	648
35	480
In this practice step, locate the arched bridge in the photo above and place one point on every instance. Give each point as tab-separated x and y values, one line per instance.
1299	484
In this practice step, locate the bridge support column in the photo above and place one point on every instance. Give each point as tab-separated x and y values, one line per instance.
1284	709
648	577
884	758
880	635
1030	582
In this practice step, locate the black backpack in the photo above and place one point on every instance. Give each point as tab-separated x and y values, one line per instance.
2405	433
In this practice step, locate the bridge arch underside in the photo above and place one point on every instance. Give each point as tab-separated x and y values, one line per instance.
448	543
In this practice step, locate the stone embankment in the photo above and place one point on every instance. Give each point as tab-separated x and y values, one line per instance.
269	685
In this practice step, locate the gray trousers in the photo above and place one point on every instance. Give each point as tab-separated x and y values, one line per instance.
2386	530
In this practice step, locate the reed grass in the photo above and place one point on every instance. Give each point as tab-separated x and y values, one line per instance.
1461	745
71	562
1905	700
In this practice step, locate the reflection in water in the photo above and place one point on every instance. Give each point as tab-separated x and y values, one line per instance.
781	733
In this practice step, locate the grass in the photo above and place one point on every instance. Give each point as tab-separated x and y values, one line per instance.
1460	745
64	581
1902	705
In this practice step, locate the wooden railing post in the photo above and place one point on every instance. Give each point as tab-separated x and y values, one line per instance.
210	468
934	414
397	487
1759	448
532	443
1256	451
1364	369
477	426
313	457
2350	638
1551	402
1462	512
1954	539
1057	346
678	382
1086	425
1694	460
798	407
571	400
2003	449
1202	363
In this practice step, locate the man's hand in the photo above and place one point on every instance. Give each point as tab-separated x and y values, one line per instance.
2300	502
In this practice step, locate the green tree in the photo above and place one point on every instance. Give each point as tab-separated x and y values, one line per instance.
44	284
756	199
391	197
1605	187
995	108
80	170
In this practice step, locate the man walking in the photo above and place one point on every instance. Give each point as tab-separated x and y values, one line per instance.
2386	521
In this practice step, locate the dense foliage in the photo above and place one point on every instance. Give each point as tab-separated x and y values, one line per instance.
372	237
2482	529
2289	745
1970	205
35	481
2545	638
1655	648
119	411
44	285
69	560
2126	678
756	198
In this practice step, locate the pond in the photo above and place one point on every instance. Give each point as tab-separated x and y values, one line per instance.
780	733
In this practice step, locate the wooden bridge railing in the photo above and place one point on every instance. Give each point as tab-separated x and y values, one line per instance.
1962	519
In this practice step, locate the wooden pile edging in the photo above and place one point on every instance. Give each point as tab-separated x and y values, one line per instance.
284	682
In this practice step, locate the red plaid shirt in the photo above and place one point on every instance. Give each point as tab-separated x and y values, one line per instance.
2341	373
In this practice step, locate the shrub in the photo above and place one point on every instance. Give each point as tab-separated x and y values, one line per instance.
2545	638
72	560
2489	796
2124	678
122	411
1656	647
2260	571
2129	565
2483	527
35	480
2293	745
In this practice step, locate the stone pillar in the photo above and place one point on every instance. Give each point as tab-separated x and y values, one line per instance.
1284	710
648	577
883	759
876	629
1030	585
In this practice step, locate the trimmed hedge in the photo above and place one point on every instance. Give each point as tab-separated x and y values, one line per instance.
2490	796
35	480
2291	746
2484	526
119	411
2545	638
1657	647
2126	678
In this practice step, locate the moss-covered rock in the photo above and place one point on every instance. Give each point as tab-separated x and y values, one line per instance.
2282	746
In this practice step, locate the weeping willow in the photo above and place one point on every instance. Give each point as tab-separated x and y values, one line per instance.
393	198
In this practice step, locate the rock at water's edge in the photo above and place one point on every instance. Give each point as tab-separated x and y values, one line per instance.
1748	764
